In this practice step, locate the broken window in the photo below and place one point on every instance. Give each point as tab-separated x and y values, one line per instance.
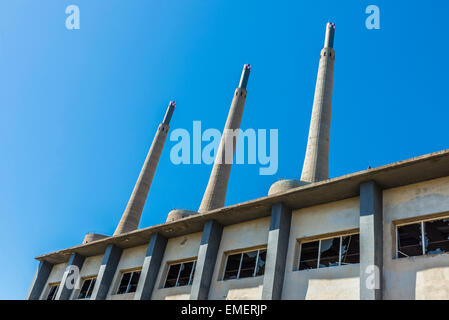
329	252
260	266
434	232
350	249
87	288
436	236
180	274
409	240
245	264
129	282
52	292
309	255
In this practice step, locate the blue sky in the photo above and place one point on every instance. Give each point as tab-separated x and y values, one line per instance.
79	108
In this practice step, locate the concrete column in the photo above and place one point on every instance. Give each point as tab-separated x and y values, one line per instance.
316	162
215	194
207	257
151	267
108	268
371	244
131	217
39	280
75	262
277	247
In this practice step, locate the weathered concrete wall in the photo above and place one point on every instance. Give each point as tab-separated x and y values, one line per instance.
328	283
239	236
179	248
55	276
422	277
131	258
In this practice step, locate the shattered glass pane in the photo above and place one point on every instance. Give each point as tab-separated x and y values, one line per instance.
232	266
309	255
248	264
330	251
350	249
172	276
260	268
409	240
436	236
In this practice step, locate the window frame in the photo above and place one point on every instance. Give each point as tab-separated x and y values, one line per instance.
241	252
123	272
192	273
88	289
421	222
50	287
319	239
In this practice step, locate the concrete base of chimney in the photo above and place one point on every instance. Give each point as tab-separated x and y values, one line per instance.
177	214
284	185
89	237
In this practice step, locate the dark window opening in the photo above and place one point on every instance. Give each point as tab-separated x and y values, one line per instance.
309	255
436	236
330	252
180	274
87	289
409	240
129	282
350	249
246	264
52	293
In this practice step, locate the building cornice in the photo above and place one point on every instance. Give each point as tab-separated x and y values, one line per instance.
414	170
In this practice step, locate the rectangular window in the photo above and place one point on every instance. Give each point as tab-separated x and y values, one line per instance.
87	288
52	293
180	274
245	264
129	282
410	238
331	252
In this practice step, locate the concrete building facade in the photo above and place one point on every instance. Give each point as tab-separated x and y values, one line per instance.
381	233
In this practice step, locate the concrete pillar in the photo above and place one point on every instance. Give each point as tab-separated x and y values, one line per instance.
108	268
151	267
215	194
131	217
277	247
316	162
371	244
207	257
68	283
39	280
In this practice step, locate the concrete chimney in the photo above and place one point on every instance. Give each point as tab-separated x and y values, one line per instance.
131	217
215	194
316	162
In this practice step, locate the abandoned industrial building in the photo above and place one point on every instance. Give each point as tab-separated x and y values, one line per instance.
382	233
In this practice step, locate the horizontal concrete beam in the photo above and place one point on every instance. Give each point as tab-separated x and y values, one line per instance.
431	166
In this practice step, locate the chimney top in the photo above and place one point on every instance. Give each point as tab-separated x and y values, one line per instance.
245	76
169	113
330	32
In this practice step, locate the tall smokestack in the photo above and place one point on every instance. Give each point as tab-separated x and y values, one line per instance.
215	194
131	217
316	162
